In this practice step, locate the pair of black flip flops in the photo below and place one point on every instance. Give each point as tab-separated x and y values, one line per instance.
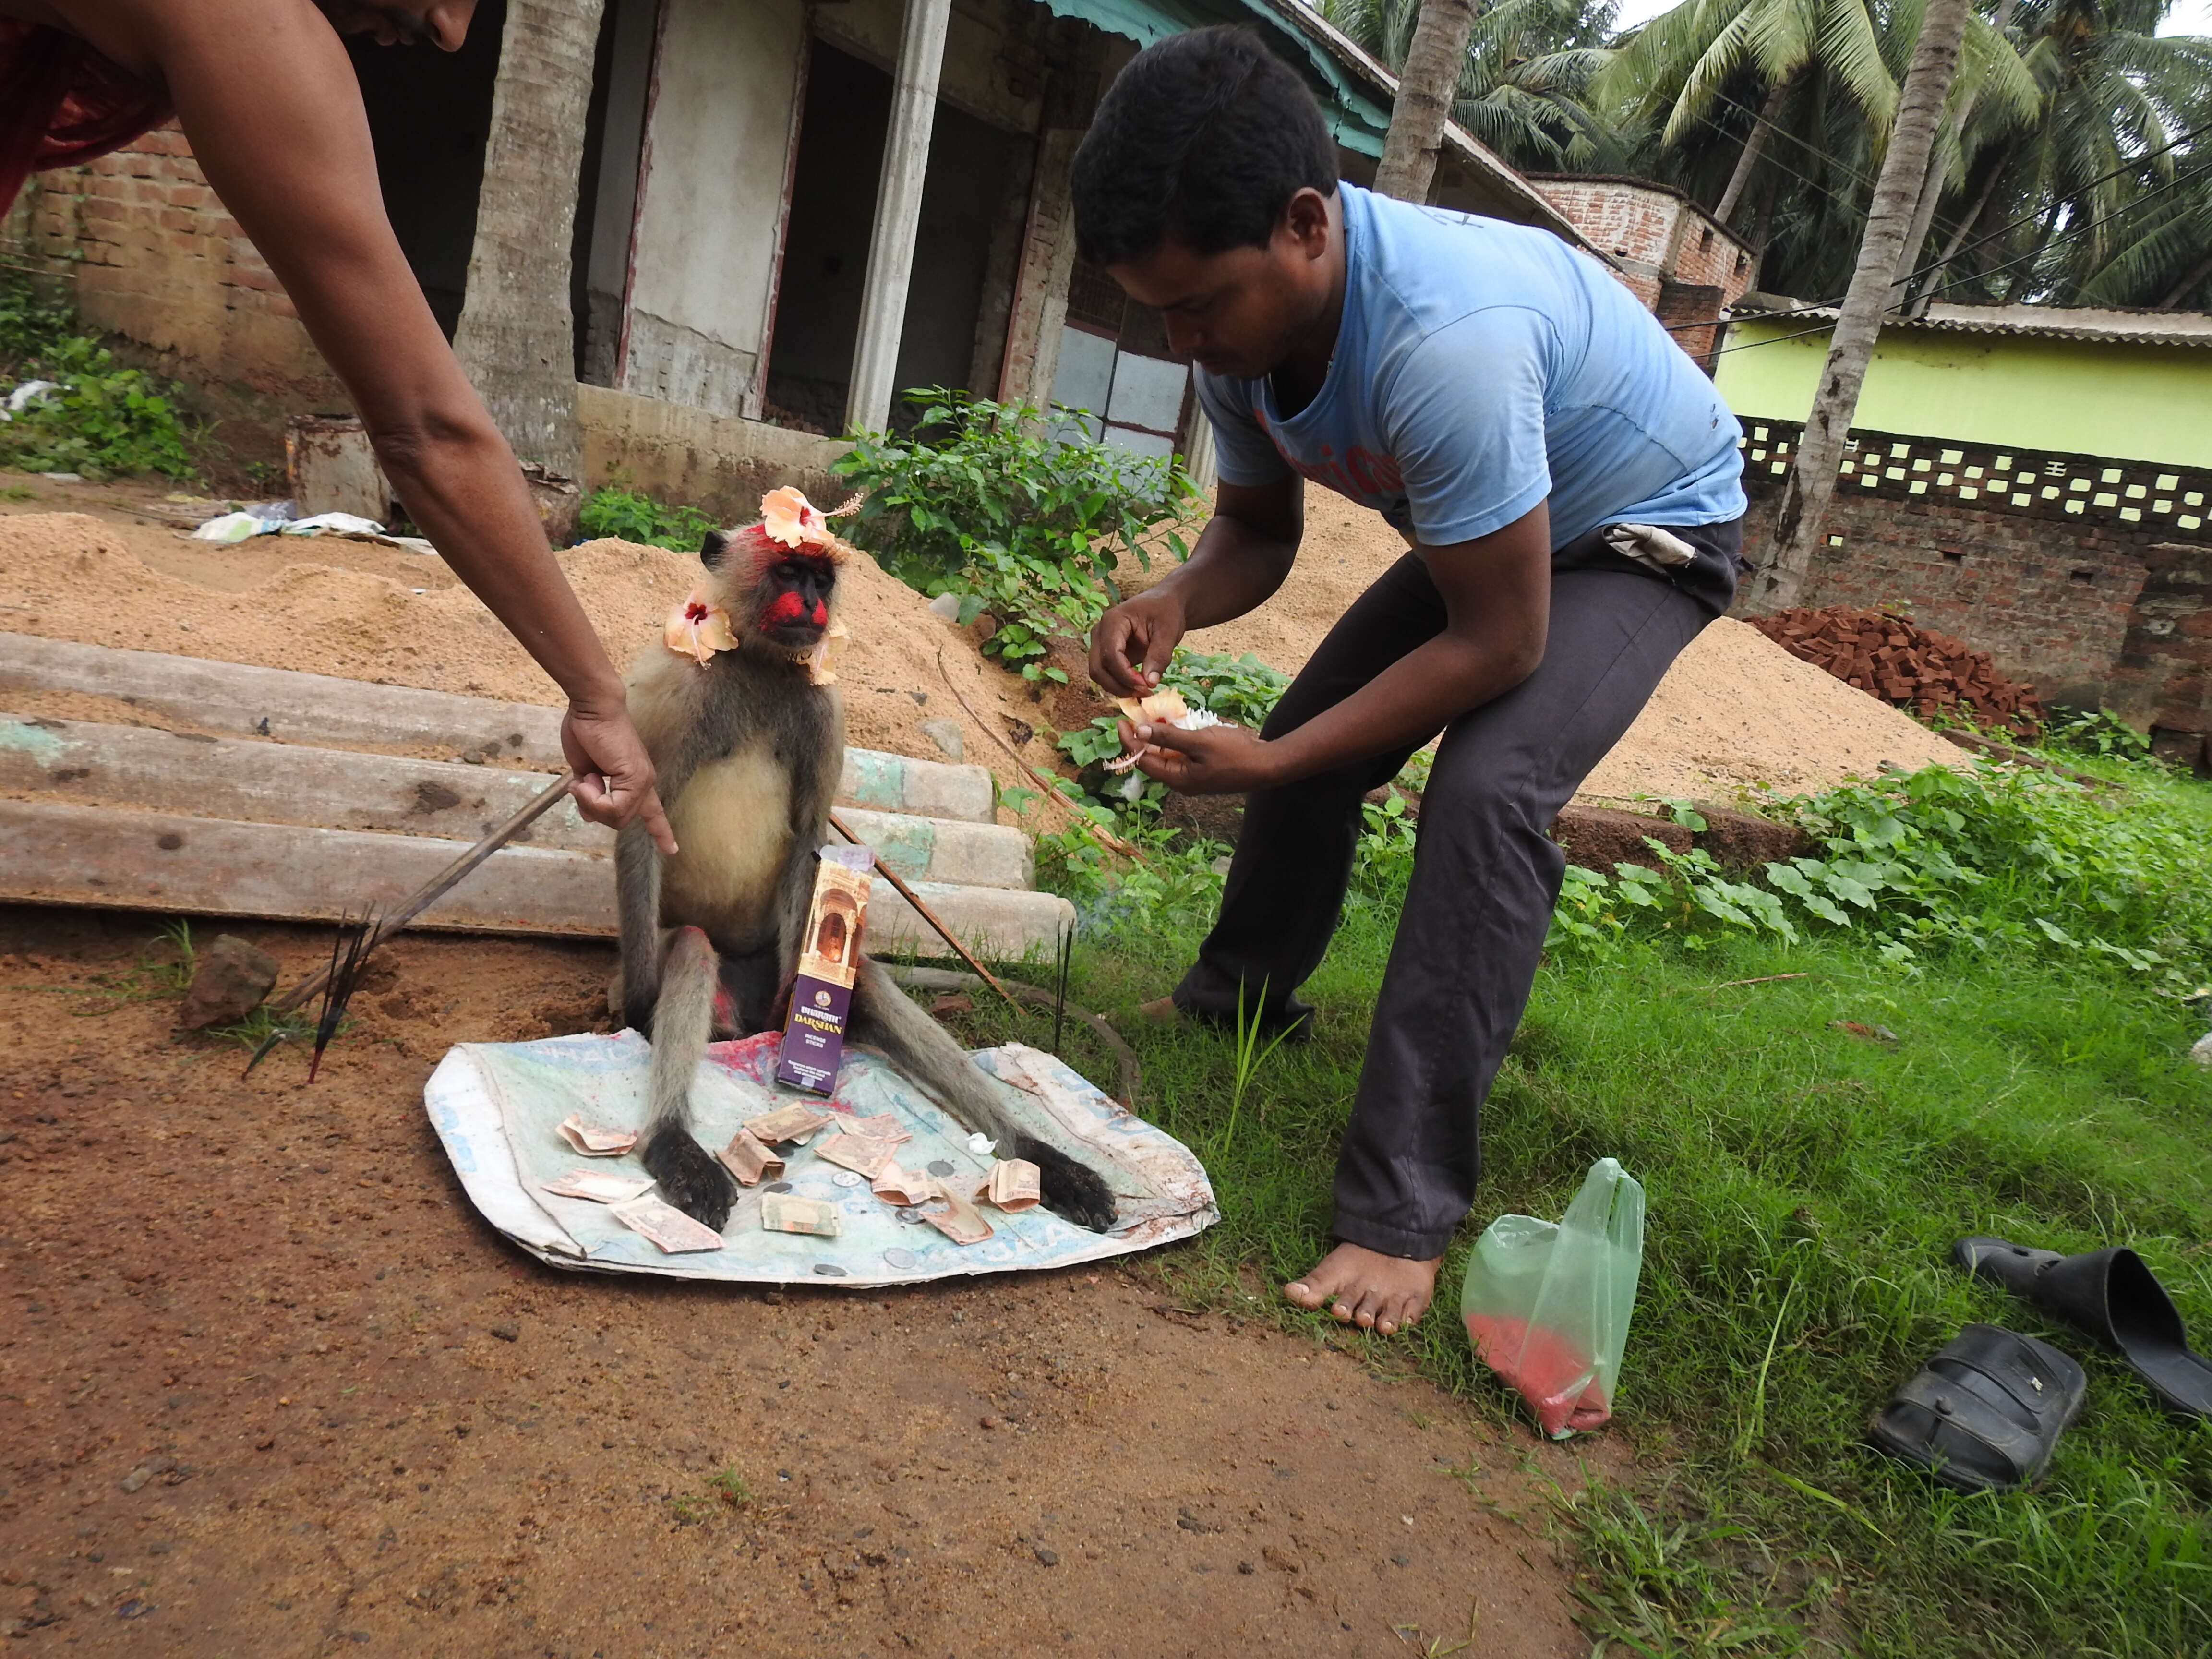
1986	1412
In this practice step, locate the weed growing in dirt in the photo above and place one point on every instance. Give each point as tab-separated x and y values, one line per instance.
1805	1186
263	1029
731	1487
101	418
1983	856
1020	517
162	970
632	515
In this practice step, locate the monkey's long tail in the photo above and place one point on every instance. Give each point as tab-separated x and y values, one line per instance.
924	1053
682	1023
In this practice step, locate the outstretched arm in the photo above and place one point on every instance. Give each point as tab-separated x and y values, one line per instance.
267	94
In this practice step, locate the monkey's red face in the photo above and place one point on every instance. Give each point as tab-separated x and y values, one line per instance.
795	589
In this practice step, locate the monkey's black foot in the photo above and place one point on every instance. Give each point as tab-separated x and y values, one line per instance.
1071	1189
689	1177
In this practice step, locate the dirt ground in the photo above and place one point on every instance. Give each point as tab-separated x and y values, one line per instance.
272	1387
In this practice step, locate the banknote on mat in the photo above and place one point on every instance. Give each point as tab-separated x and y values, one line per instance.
599	1187
1014	1184
591	1140
857	1152
884	1126
666	1226
780	1212
959	1220
748	1158
786	1123
896	1186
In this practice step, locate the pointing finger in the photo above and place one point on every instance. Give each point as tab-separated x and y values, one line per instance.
657	825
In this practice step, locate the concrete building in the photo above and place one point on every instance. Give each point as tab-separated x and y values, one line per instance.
688	239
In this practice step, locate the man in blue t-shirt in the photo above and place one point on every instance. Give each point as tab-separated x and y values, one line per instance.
1567	481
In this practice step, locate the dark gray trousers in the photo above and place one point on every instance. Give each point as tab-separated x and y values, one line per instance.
1485	873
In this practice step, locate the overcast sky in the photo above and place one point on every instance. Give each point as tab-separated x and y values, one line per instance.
2187	17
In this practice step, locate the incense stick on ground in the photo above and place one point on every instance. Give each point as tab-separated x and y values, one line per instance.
925	913
438	887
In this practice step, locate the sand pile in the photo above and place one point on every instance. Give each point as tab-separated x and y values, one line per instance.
68	576
1736	710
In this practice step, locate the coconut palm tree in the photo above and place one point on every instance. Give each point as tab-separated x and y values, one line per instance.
1677	73
1426	80
2093	196
1812	481
1520	83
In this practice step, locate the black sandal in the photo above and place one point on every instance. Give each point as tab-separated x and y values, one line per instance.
2111	1295
1986	1413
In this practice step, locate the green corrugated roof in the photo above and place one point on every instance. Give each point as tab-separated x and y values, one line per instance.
1357	117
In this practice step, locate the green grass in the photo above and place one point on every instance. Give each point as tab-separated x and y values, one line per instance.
1804	1186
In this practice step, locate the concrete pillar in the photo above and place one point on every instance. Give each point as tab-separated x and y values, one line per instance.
898	212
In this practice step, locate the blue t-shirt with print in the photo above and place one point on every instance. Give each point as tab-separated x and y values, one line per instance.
1481	368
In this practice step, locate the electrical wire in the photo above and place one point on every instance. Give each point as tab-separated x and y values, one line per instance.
2174	183
1981	241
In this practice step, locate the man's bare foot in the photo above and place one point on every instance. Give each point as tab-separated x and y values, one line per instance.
1377	1292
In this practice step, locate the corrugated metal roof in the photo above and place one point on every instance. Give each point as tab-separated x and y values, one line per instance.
2136	327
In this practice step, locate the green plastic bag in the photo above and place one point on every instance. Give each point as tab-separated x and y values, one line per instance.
1547	1304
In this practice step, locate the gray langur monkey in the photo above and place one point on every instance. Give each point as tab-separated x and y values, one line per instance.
749	748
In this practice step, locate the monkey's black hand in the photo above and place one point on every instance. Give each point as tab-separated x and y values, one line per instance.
1071	1189
689	1177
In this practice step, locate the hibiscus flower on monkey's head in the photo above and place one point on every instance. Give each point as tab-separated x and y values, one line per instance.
791	519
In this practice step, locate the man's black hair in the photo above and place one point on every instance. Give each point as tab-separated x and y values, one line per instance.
1203	139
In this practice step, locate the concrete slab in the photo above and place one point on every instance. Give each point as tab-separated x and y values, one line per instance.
326	712
58	852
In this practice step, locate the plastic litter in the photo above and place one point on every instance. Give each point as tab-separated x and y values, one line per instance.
234	528
330	523
31	392
1548	1304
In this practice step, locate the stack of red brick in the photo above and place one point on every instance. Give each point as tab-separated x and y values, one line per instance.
1888	655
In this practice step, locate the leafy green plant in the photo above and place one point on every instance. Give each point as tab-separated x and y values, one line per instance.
101	418
984	501
31	326
1243	690
1982	855
2096	732
631	515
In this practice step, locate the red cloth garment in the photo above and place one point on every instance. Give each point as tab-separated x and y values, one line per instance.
62	103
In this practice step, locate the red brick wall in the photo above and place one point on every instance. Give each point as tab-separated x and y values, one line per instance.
2092	580
1679	264
1708	255
154	257
1621	219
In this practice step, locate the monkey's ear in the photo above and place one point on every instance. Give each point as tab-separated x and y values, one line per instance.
711	551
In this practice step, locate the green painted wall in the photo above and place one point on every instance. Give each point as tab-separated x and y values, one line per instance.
2134	402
